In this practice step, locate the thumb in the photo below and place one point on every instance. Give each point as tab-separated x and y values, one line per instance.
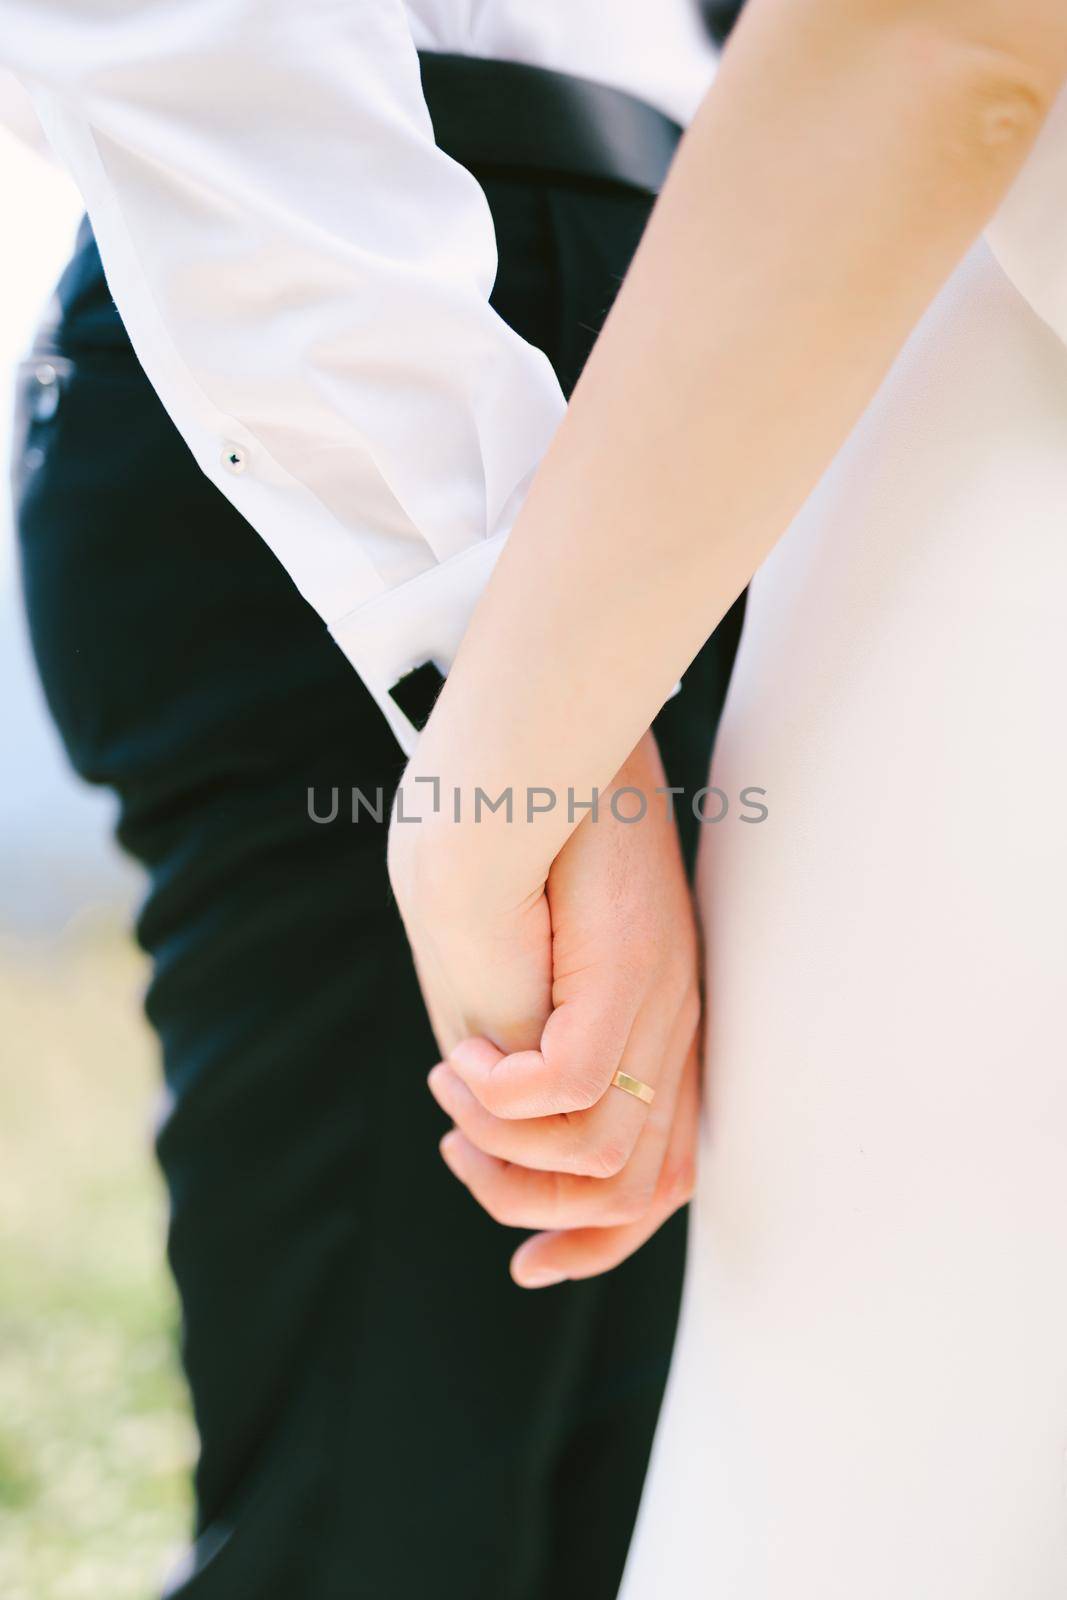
581	1046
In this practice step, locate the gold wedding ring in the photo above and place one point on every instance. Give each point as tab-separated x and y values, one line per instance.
640	1091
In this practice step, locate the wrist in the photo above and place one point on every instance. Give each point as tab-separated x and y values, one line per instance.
462	849
453	859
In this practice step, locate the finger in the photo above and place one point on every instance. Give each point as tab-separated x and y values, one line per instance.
581	1047
538	1198
553	1257
521	1198
550	1198
595	1144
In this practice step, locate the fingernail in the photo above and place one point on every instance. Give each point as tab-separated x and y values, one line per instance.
447	1148
530	1273
538	1277
435	1079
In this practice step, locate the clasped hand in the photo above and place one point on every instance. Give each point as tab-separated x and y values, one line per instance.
537	999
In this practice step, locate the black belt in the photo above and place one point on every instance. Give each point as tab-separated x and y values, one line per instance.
492	117
501	115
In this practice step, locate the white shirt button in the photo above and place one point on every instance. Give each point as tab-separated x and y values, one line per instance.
234	457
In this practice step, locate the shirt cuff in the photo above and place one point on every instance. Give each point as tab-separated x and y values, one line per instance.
422	620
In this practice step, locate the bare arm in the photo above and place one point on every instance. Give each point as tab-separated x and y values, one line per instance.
847	155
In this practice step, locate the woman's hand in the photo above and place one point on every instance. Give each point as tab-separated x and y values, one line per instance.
564	983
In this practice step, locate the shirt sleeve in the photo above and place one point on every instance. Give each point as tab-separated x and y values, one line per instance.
305	279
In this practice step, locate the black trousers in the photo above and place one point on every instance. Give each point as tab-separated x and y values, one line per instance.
382	1414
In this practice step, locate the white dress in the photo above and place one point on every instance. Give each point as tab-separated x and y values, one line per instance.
869	1394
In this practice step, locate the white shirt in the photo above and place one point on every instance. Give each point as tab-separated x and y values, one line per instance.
305	277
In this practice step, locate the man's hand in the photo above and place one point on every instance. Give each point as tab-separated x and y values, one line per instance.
592	972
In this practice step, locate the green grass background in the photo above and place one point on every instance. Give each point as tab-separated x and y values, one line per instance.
95	1439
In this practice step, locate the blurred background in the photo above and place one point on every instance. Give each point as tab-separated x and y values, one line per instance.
95	1440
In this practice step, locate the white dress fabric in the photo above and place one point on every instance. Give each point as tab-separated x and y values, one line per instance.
869	1394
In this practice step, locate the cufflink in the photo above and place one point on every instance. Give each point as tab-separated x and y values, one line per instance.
416	694
46	395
